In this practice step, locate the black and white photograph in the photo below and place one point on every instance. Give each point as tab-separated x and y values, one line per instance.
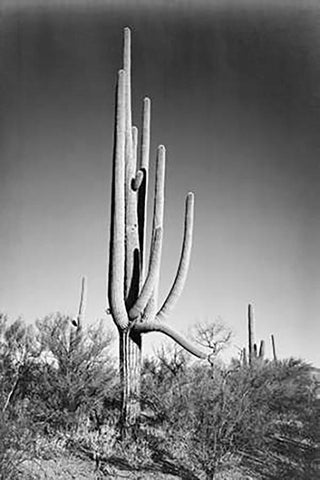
160	239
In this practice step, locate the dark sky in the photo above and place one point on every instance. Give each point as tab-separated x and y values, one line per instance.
235	89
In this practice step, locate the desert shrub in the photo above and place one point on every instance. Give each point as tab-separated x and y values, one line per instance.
76	379
63	382
263	419
17	444
19	352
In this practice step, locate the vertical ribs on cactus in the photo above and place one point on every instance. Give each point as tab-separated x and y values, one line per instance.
132	291
132	282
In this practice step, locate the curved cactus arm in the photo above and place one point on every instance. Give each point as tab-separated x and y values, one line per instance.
151	308
117	235
181	275
156	326
153	273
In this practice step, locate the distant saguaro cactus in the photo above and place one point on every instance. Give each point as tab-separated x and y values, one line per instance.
253	352
132	288
250	334
76	333
273	345
261	350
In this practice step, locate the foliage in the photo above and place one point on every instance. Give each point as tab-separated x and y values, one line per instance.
17	444
75	376
63	379
199	418
264	419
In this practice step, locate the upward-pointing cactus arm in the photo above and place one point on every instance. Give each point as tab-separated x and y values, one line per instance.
183	267
153	274
150	310
141	180
117	244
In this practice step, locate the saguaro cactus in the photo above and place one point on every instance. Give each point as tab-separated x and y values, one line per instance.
261	350
273	345
250	334
132	288
253	352
76	333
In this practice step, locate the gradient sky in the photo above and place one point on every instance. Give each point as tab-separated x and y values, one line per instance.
235	89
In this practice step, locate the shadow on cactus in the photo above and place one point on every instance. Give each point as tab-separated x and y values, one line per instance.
133	285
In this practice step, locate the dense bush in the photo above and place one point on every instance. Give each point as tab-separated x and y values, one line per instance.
60	380
198	418
264	419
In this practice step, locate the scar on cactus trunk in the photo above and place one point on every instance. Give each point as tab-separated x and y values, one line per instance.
132	284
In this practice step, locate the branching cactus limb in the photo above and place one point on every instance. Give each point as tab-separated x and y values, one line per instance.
132	286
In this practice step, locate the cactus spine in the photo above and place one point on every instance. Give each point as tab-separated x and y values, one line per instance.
132	287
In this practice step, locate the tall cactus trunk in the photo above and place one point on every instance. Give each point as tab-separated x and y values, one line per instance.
132	288
130	377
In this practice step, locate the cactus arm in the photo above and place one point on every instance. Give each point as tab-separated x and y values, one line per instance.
117	245
127	69
181	275
180	339
134	133
132	250
158	211
156	326
142	184
153	274
145	138
159	188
